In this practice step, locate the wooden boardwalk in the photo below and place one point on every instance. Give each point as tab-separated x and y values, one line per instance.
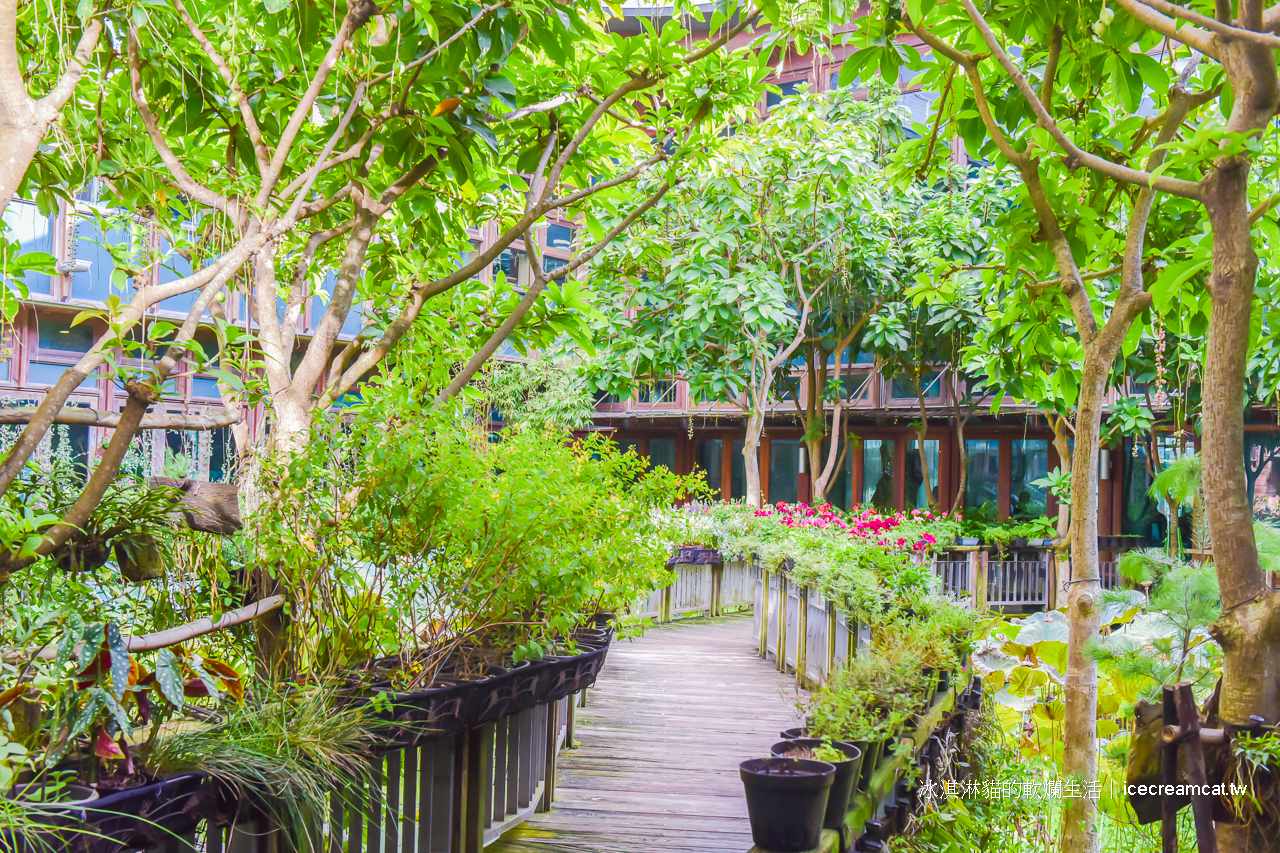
665	727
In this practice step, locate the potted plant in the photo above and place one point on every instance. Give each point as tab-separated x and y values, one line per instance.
845	757
786	801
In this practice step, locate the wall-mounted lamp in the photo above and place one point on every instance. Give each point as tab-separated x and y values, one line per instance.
804	459
1104	464
74	265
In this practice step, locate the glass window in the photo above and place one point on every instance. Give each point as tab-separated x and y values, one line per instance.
4	370
205	388
1141	514
549	263
840	492
660	391
709	455
1028	462
905	386
789	88
319	304
173	267
877	473
42	373
662	451
784	470
737	471
88	243
71	444
983	483
915	473
64	337
559	236
221	455
1262	473
625	444
34	232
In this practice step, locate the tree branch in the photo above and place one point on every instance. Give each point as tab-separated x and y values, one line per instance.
1222	27
238	96
110	420
1173	186
185	182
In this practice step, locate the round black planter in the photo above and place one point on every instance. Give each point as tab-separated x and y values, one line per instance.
786	800
792	734
944	681
847	773
870	760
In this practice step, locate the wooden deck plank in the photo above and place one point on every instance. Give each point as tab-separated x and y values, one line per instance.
656	768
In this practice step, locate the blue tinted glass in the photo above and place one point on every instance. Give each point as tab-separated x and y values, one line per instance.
559	236
42	373
173	267
784	469
87	244
204	388
983	483
35	233
320	304
877	473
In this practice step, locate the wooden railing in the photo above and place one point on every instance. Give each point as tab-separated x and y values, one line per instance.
709	589
452	794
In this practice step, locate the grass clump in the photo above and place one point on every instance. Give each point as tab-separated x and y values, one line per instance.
286	752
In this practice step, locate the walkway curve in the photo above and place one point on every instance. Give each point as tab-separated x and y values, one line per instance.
656	769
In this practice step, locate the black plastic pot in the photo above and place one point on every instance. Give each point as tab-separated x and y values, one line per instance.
847	773
792	734
786	801
870	760
944	681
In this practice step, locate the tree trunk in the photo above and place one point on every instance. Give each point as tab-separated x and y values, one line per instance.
962	453
920	438
751	457
21	139
1249	629
1084	609
817	464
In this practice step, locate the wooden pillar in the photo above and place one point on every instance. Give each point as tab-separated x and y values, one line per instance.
726	468
717	580
980	580
783	583
549	781
831	641
764	613
479	764
802	634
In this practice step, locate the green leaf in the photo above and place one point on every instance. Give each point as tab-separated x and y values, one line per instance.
119	660
169	677
273	6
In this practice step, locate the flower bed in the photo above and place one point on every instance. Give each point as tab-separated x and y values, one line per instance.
863	559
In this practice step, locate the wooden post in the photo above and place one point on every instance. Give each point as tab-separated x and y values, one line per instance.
764	614
461	778
831	640
568	721
1169	778
717	580
783	583
802	635
1051	582
1201	803
479	764
664	607
549	776
980	582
